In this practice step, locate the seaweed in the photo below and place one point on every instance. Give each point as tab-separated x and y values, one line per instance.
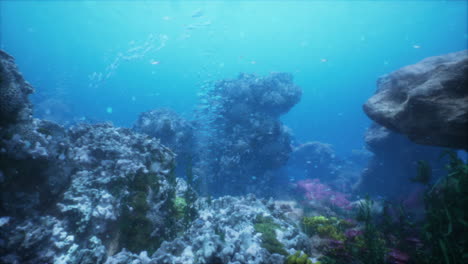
446	219
266	227
373	241
424	173
298	258
135	227
323	227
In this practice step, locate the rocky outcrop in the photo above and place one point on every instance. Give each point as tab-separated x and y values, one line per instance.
394	162
230	230
246	141
102	194
14	91
82	194
427	101
173	131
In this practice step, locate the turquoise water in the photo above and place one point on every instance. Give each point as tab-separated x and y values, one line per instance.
111	60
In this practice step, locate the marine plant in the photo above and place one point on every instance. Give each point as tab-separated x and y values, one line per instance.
394	237
180	206
446	218
135	227
363	244
423	174
267	227
298	258
323	227
374	243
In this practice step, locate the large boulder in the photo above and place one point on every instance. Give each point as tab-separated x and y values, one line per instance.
427	101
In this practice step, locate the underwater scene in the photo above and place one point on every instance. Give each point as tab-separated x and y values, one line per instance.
233	132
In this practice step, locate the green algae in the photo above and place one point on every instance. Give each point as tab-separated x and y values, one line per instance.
266	227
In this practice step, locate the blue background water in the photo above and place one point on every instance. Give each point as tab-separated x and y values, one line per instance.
336	51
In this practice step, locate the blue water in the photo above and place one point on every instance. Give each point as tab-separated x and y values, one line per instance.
111	60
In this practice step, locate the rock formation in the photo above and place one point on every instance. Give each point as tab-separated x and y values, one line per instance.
173	131
101	194
246	140
77	195
230	230
427	101
14	91
394	163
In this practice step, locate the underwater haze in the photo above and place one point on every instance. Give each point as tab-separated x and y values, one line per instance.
335	49
233	132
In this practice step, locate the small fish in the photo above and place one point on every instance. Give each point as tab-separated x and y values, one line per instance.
323	60
416	46
166	18
197	13
153	62
253	62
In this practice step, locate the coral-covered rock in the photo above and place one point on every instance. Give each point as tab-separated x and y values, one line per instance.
14	91
231	230
246	142
34	165
173	131
427	101
117	192
81	194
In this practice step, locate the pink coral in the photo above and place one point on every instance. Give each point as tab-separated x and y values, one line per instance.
314	190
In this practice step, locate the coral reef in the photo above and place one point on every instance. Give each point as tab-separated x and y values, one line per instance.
95	193
320	197
173	131
116	192
246	141
231	230
81	194
427	101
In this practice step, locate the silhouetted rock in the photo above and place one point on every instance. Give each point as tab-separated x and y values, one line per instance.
427	101
14	91
315	160
394	163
